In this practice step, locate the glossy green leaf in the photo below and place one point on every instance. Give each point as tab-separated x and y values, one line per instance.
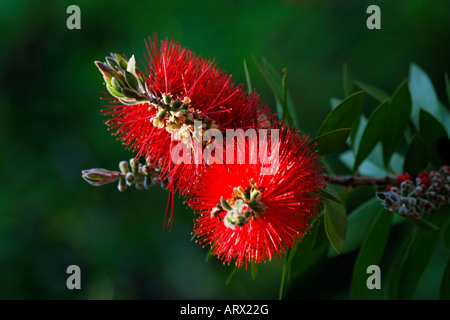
121	61
208	255
422	223
416	158
395	271
277	84
321	237
287	116
335	224
231	276
358	224
431	130
334	102
130	93
423	95
114	92
131	66
284	274
398	120
447	87
373	133
132	80
344	115
254	270
371	252
331	141
247	78
330	196
225	205
444	292
373	91
415	257
112	63
308	251
357	134
349	88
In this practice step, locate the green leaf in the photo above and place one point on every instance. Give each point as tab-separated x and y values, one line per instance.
114	92
284	274
431	130
278	86
358	225
416	158
371	252
329	196
225	205
254	270
112	63
208	255
447	87
331	141
415	257
131	66
344	115
308	251
121	61
397	266
247	78
373	133
132	80
373	91
423	95
231	276
335	224
398	120
422	223
334	102
348	83
321	237
444	292
287	116
357	134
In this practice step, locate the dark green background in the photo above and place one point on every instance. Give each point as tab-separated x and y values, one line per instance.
50	129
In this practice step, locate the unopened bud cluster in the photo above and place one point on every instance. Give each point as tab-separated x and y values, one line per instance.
244	206
125	82
131	174
427	193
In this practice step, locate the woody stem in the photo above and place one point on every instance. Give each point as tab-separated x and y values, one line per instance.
354	181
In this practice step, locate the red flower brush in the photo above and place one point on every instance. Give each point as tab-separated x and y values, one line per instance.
250	214
160	106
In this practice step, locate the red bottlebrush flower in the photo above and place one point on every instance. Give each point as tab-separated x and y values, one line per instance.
404	176
250	216
177	88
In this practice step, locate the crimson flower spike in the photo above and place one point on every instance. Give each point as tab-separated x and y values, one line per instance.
247	214
160	103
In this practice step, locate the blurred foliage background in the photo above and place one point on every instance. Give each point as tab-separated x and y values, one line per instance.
50	129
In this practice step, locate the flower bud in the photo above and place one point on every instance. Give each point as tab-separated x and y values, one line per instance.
98	176
129	177
122	186
123	166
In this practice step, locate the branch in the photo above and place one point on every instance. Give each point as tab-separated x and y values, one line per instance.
354	181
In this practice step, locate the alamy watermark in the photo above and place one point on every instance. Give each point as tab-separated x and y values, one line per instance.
241	147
